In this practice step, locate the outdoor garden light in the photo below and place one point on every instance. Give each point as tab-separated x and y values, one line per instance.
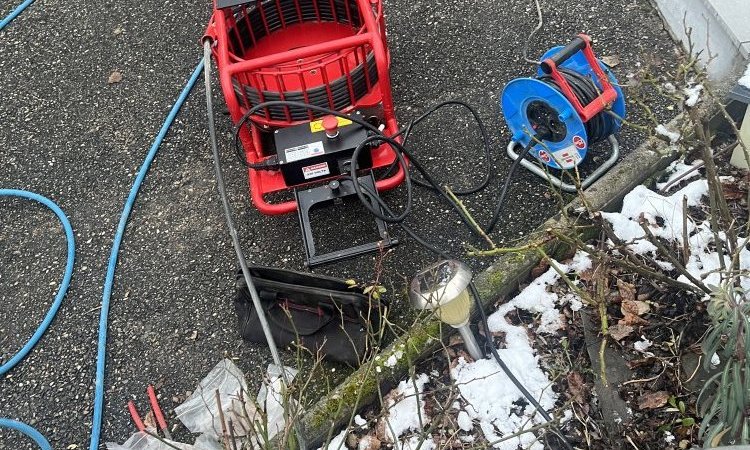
443	288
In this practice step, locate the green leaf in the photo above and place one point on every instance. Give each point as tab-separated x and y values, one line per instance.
351	282
681	406
672	401
688	422
368	289
664	427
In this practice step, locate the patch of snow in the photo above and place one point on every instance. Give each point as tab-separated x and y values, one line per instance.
673	136
745	79
678	169
416	442
464	421
337	443
490	394
364	443
693	95
360	422
643	202
668	437
643	345
670	88
407	413
580	263
573	300
393	359
715	360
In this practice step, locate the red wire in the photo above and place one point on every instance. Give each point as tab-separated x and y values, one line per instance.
135	416
155	408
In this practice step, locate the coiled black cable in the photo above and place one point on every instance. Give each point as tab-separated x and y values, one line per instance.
602	125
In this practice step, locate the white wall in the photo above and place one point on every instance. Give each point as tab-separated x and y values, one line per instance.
726	24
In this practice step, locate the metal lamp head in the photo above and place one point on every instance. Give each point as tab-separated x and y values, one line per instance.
442	288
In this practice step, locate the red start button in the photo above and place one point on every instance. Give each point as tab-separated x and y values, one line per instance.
331	125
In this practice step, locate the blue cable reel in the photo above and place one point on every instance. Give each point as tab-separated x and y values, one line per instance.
540	106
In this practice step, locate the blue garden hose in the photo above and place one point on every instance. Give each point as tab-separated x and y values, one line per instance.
101	358
28	431
13	14
64	284
109	281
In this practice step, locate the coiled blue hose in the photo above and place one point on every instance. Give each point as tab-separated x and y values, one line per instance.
63	289
63	284
13	14
109	280
28	431
101	358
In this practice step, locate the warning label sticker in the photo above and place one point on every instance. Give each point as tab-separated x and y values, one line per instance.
568	157
304	151
316	170
317	126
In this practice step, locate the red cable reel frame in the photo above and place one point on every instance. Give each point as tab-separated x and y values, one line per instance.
301	50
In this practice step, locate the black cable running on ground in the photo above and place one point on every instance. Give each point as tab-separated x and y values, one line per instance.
388	215
406	131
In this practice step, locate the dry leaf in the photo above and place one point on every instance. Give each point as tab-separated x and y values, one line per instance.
653	400
369	442
611	61
632	310
540	268
732	191
620	331
114	77
577	387
627	290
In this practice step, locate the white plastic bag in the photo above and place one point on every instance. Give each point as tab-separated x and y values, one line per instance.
200	412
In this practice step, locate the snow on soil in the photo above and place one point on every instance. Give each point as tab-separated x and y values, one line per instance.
490	399
405	408
664	215
679	169
673	136
693	95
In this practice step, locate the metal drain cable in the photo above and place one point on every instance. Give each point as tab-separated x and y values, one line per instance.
236	242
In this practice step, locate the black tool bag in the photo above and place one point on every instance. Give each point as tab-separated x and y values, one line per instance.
322	314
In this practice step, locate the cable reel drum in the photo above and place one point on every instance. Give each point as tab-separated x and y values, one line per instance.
563	109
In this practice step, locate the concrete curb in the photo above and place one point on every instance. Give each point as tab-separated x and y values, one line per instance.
502	278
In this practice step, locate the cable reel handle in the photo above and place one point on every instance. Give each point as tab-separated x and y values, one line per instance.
608	94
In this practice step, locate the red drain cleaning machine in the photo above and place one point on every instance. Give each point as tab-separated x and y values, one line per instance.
331	54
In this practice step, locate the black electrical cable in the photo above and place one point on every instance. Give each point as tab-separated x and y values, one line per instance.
504	191
602	125
365	197
407	130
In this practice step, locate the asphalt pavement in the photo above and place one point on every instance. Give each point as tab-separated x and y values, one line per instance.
70	135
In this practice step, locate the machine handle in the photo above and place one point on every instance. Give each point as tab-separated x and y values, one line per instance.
608	94
577	44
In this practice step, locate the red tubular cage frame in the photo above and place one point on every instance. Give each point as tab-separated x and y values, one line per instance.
299	50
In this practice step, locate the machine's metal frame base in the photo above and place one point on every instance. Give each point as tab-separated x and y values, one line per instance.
540	171
330	193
